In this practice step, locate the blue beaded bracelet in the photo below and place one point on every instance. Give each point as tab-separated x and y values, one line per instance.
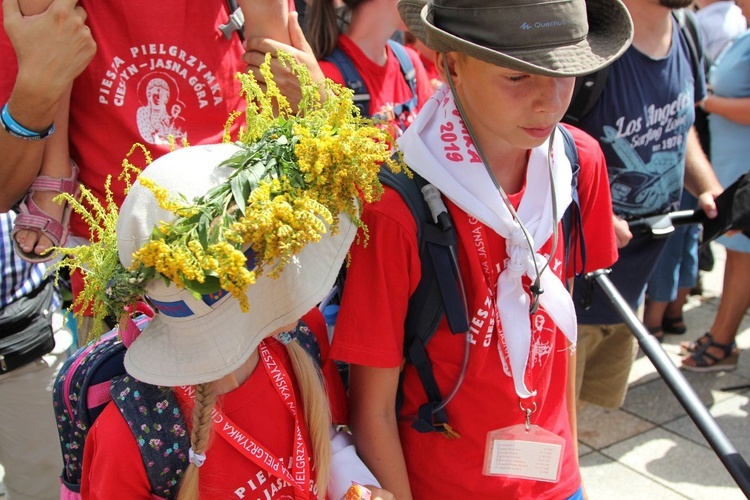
18	131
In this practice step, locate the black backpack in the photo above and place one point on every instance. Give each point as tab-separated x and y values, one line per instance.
589	88
439	292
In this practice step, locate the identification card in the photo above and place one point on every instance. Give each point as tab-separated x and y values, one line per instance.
514	451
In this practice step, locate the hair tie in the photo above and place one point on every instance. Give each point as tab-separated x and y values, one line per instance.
285	337
196	458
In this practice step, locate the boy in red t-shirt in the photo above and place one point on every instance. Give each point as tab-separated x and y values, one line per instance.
489	143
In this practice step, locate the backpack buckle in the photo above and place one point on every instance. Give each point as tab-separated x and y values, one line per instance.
446	430
425	422
235	22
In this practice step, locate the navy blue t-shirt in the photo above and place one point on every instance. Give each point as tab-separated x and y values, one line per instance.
641	121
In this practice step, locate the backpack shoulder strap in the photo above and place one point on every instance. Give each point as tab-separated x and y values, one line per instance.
235	21
77	406
159	428
306	338
352	79
432	237
410	75
438	294
688	25
572	223
587	91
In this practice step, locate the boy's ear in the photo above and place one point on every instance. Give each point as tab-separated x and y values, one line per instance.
443	59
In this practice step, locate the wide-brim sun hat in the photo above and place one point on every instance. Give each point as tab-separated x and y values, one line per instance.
557	38
197	340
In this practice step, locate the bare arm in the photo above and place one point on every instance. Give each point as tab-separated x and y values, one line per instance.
257	48
571	399
736	109
52	49
372	412
55	161
266	18
572	405
622	231
700	179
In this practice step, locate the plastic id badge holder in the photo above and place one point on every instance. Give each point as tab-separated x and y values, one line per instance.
524	452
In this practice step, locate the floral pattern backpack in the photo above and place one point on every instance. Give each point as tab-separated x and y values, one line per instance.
91	378
95	375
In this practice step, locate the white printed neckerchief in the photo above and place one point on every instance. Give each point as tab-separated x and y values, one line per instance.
437	147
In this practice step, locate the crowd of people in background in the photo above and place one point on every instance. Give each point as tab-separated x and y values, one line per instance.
473	103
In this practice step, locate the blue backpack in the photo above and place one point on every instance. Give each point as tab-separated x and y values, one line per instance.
353	80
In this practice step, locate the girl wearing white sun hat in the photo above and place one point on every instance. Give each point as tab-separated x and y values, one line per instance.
253	400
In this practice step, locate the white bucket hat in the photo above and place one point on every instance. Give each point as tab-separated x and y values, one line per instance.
192	341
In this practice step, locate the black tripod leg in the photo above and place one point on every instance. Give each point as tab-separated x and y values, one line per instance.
677	383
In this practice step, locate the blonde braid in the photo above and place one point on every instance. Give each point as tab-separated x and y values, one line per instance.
199	438
317	412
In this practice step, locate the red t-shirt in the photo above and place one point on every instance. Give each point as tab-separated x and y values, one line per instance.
369	331
430	68
112	466
385	84
161	68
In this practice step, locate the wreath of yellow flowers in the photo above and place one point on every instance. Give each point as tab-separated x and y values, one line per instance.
296	172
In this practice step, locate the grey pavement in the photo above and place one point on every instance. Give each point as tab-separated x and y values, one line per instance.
651	448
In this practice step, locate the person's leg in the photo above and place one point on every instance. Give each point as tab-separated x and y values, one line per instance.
29	443
653	315
673	321
589	337
734	303
735	300
687	272
607	365
687	278
32	238
662	285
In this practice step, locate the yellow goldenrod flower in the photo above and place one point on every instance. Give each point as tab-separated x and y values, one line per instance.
297	171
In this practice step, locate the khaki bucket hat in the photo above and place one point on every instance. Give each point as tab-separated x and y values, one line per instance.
557	38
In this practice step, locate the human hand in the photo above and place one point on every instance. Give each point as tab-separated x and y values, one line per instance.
286	81
707	202
622	231
52	47
367	492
